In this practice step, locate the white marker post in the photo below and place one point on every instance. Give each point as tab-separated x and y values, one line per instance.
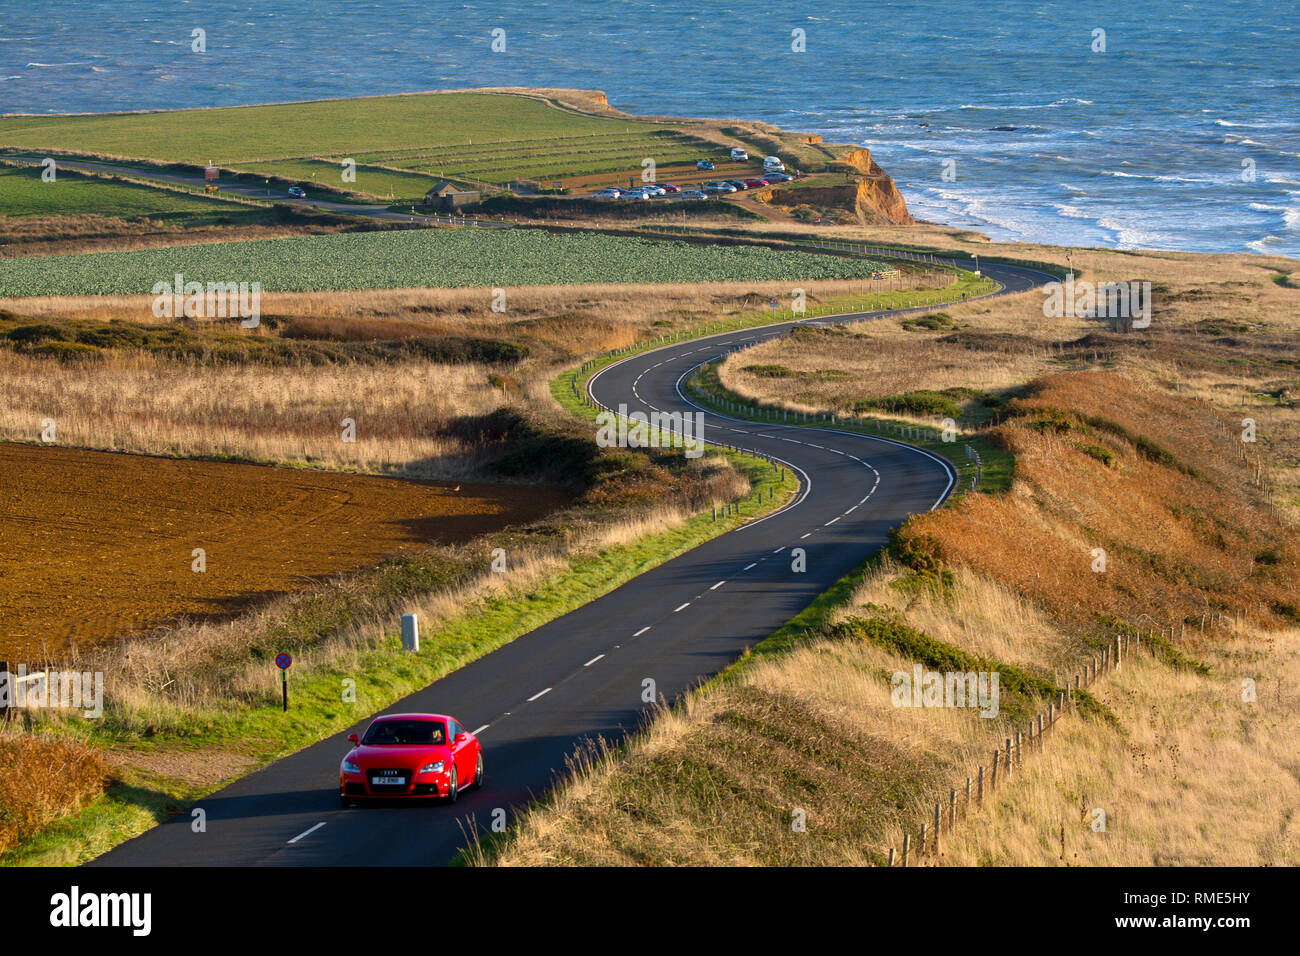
410	633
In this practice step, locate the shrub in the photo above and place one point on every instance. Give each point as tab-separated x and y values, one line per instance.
770	371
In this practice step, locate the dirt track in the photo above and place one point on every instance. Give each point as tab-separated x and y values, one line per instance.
94	545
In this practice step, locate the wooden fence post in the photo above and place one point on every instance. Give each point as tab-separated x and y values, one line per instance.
1040	732
966	808
1007	768
907	842
993	774
891	857
937	811
952	811
920	849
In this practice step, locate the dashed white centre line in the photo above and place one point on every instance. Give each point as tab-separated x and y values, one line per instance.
718	585
832	521
480	730
754	565
802	536
684	606
539	694
779	550
307	832
640	632
593	660
851	510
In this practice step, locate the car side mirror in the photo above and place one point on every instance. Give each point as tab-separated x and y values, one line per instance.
354	740
460	739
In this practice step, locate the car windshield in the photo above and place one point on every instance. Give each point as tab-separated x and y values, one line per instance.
405	732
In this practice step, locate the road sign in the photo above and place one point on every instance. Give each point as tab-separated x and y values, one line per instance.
283	661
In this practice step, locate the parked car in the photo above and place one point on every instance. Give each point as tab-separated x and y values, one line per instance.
737	184
718	188
775	177
638	194
411	756
756	183
704	164
654	189
608	193
669	187
773	164
297	192
693	194
738	155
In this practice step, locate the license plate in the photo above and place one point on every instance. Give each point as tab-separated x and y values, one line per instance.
395	781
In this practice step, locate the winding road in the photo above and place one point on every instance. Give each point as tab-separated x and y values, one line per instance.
535	700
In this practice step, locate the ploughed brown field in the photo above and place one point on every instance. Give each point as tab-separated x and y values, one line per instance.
95	545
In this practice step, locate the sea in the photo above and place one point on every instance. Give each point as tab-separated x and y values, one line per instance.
1136	124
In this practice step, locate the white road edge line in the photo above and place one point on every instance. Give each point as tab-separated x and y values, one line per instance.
307	832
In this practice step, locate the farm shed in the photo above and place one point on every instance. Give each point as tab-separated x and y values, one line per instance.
447	195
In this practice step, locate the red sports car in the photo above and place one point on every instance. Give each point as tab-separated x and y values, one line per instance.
411	755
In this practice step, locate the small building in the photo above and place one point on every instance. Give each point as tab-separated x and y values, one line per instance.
449	196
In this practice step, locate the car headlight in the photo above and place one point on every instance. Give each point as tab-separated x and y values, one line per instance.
435	767
350	767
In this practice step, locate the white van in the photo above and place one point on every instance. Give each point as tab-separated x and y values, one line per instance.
773	164
738	155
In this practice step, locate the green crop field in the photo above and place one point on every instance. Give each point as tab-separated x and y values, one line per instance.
494	137
432	258
23	193
244	134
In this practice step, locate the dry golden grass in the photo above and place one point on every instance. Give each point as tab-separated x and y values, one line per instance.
43	780
140	403
1193	776
59	235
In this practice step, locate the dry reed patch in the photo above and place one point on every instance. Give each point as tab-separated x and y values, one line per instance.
1193	776
974	613
572	320
295	414
44	780
58	235
101	545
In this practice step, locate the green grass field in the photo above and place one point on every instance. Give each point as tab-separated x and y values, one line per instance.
419	258
23	193
494	137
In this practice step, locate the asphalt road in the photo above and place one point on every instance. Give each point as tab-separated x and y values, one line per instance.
535	700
